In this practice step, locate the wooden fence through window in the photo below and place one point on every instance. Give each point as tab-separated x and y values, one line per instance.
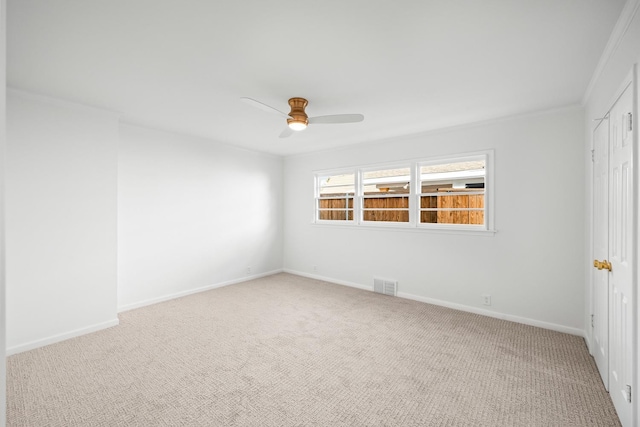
450	209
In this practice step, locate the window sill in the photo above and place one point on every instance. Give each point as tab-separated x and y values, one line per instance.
406	228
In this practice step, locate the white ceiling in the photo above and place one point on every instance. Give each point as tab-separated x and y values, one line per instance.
407	65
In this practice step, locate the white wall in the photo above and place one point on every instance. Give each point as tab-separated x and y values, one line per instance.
193	214
3	143
60	220
532	266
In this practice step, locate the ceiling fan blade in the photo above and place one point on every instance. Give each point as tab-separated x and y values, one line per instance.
337	118
286	133
263	106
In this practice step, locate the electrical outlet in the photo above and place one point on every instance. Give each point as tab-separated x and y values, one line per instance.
315	268
486	299
248	270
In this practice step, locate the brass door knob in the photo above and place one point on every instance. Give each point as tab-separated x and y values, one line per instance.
602	265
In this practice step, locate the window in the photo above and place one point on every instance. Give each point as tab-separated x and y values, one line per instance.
385	195
446	193
452	193
334	197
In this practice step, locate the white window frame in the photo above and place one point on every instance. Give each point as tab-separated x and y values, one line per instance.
487	157
317	198
360	194
414	195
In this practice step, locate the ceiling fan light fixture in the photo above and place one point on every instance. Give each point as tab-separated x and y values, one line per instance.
297	125
298	118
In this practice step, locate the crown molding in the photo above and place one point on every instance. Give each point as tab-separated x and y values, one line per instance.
619	30
60	102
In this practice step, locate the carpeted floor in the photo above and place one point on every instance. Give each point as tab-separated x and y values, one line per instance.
290	351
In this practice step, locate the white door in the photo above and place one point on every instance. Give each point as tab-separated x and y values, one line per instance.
621	239
613	250
600	294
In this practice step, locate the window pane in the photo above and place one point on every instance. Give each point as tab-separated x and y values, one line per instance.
463	169
335	185
386	203
338	215
386	215
393	181
335	203
452	217
431	216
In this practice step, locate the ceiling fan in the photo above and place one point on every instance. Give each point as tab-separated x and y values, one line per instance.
298	120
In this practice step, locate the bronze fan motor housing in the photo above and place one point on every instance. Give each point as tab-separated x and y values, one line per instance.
297	113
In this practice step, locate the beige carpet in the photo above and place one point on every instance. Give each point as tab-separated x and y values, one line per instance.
290	351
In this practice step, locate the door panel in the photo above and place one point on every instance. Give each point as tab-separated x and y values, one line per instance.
620	253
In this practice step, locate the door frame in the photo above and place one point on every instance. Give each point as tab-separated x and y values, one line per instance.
636	237
598	322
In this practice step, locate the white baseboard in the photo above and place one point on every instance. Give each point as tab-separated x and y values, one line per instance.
132	306
503	316
61	337
587	341
330	280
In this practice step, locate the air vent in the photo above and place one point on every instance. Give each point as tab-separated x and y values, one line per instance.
385	286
